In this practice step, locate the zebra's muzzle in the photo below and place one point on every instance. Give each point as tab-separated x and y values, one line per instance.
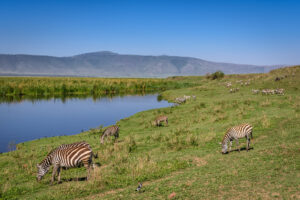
38	179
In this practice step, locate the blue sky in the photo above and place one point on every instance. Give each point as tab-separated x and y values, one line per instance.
252	32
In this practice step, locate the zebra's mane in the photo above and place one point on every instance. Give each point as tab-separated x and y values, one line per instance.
225	136
49	155
76	144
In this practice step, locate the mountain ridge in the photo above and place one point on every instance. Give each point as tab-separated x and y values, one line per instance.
111	64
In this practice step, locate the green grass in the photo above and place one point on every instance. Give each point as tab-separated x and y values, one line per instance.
185	156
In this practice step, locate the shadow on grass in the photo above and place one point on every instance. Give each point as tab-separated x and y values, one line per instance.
242	149
161	125
97	164
74	179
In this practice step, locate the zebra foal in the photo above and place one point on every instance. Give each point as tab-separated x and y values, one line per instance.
235	133
66	155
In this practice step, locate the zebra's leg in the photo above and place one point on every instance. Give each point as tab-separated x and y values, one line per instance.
238	145
167	121
87	164
117	135
248	144
88	169
102	139
55	168
58	173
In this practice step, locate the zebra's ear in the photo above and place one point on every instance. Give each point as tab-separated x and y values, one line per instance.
37	165
220	142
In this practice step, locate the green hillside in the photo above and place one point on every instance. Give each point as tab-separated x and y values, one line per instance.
184	158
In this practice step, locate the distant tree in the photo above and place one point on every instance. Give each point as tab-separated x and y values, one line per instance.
216	75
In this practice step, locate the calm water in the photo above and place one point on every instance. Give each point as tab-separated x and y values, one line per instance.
29	120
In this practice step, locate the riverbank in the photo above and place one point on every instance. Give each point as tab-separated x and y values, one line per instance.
65	86
183	157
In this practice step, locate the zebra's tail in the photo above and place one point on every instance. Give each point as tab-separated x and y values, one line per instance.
95	155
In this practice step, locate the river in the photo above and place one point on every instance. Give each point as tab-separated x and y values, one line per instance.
32	119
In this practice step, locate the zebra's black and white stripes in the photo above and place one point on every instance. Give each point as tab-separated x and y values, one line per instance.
66	155
110	131
235	133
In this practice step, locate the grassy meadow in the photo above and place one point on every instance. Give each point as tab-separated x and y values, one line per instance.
184	158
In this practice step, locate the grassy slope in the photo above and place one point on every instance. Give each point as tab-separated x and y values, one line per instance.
183	157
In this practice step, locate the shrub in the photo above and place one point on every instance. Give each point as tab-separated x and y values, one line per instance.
216	75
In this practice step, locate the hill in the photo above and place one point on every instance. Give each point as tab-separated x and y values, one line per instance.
183	158
109	64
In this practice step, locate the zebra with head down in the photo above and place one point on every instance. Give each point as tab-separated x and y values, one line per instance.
110	131
235	133
66	155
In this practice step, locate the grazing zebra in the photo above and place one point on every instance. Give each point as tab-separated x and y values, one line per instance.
186	97
235	133
160	119
279	91
66	155
139	187
110	131
180	100
232	90
255	91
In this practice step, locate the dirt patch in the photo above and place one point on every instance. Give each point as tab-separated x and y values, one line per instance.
97	196
199	161
295	196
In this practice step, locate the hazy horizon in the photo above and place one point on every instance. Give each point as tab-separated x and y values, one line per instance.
244	32
82	53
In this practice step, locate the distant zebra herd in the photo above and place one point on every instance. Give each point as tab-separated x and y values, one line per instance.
269	91
278	91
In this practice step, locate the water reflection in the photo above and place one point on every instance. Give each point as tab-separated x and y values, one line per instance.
64	98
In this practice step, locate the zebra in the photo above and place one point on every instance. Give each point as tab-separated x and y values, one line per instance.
110	131
67	156
235	133
255	91
180	100
279	91
228	84
138	189
160	119
186	97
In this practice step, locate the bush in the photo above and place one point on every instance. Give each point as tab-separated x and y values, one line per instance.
216	75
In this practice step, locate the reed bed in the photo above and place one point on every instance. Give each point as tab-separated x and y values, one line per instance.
49	86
